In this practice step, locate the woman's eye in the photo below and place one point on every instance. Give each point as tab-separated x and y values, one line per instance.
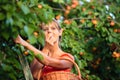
45	29
53	28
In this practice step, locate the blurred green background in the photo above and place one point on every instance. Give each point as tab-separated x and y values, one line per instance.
91	34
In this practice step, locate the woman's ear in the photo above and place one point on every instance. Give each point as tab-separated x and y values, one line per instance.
61	31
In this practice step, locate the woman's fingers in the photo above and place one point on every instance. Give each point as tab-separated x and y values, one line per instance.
50	40
18	39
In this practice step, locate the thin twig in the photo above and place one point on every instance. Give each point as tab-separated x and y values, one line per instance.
79	18
57	9
117	23
62	7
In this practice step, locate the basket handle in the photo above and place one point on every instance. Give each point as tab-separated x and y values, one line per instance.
78	70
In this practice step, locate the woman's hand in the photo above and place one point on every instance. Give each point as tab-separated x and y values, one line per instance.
50	39
19	40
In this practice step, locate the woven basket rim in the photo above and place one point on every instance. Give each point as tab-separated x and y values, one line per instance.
61	72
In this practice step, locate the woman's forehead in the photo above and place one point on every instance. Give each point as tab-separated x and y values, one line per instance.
51	24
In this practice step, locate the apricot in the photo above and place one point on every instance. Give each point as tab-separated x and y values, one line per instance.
73	5
26	53
68	7
81	53
83	9
58	16
115	30
82	20
115	55
94	48
67	21
67	12
94	21
39	6
112	23
35	34
75	2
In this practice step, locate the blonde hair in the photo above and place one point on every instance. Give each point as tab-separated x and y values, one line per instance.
54	20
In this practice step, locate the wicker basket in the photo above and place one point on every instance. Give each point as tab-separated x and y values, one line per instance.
62	75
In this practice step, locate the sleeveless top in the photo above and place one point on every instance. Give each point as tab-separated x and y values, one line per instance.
48	69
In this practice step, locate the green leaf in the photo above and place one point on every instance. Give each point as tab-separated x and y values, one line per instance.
9	21
12	76
17	64
77	60
23	33
28	30
2	16
32	39
1	56
96	14
33	3
41	40
5	35
88	57
6	67
24	8
22	48
58	1
45	14
39	57
9	8
110	38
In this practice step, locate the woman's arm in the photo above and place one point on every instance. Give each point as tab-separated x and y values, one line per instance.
46	59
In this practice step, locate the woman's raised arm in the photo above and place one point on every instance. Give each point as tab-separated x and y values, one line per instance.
46	59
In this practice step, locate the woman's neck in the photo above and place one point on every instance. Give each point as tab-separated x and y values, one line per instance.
52	51
52	48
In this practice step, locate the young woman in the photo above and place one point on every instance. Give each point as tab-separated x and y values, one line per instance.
50	53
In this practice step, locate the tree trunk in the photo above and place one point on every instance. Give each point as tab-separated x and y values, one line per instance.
25	66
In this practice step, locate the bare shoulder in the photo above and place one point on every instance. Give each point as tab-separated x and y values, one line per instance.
67	55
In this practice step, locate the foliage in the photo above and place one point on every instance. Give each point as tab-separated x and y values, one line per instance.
91	34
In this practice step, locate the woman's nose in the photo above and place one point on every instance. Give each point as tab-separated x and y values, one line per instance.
49	30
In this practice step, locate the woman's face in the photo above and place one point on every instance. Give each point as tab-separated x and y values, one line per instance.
52	32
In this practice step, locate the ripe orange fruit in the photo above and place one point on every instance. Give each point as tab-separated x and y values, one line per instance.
35	34
39	6
93	7
58	16
118	30
73	5
75	2
81	53
94	48
82	20
115	55
26	53
67	12
94	21
89	12
115	30
68	7
112	23
83	9
108	17
67	21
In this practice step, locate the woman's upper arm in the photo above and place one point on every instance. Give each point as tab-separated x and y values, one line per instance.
62	62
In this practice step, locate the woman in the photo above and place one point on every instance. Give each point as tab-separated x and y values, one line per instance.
50	53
